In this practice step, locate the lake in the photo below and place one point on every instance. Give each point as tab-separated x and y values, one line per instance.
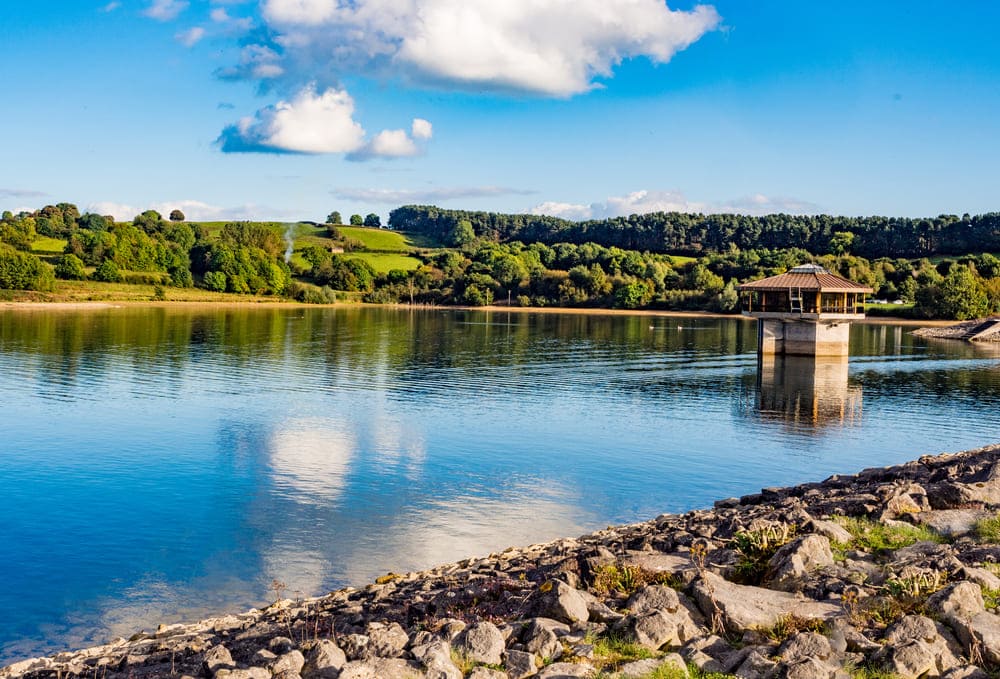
166	464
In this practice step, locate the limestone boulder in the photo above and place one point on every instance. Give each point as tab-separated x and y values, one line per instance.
743	607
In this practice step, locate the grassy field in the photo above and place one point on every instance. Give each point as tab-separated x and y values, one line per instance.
681	260
48	246
93	291
378	239
385	262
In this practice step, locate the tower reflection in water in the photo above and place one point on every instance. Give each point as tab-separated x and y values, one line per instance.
806	392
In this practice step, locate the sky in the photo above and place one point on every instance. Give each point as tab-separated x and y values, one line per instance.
290	109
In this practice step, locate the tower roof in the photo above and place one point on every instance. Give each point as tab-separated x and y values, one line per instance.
807	277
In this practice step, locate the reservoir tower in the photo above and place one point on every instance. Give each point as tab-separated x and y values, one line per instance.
806	311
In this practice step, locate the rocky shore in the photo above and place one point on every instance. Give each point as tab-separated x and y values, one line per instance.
892	572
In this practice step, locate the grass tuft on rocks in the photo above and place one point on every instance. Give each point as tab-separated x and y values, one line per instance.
787	626
988	530
755	549
626	579
880	538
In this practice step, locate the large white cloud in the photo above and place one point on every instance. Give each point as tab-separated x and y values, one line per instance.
548	47
320	122
310	123
642	202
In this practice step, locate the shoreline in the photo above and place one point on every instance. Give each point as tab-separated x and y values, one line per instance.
272	304
790	581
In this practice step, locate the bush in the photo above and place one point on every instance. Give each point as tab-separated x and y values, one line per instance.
108	272
24	271
216	280
70	267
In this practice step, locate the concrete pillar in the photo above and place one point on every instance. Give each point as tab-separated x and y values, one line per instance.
802	338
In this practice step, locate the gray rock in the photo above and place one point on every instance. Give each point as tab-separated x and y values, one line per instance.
652	597
641	668
543	642
806	645
324	661
279	645
216	658
263	657
387	641
355	646
831	530
742	607
249	673
566	670
810	668
960	600
486	673
381	668
291	661
520	664
980	633
795	561
951	522
560	601
757	666
967	672
912	659
482	642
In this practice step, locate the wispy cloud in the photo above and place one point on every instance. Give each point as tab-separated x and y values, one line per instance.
111	6
21	193
643	202
196	210
165	10
431	195
190	37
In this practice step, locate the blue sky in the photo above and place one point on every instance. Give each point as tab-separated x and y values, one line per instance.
288	109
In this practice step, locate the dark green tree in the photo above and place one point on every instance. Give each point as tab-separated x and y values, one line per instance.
334	218
176	216
373	220
357	220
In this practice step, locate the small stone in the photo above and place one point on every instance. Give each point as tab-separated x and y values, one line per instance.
279	645
486	673
566	670
806	645
292	661
520	664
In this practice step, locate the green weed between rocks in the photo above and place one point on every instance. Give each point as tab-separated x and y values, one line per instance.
991	597
789	625
626	579
880	538
670	672
988	530
755	549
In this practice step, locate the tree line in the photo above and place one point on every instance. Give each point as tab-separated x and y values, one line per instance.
696	234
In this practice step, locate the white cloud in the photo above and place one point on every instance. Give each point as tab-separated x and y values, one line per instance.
219	15
396	143
548	47
111	6
165	10
643	202
401	196
422	129
310	123
21	193
195	211
190	37
316	123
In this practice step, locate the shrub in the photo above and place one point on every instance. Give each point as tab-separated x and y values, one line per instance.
108	272
24	271
70	267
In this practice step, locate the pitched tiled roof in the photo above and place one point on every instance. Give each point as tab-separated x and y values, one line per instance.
807	277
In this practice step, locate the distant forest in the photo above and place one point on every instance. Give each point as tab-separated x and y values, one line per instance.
695	234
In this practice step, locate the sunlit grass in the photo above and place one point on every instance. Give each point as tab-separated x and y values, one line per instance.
384	262
378	239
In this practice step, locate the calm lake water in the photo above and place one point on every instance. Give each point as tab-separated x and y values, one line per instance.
166	464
